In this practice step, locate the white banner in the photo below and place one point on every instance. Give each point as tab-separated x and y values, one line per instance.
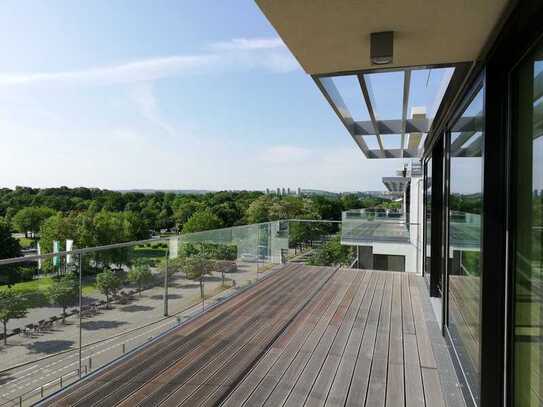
56	249
173	244
39	254
69	247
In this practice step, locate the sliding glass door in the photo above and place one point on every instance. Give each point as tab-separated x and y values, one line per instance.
465	199
527	147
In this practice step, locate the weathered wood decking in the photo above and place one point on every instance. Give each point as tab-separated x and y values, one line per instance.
308	336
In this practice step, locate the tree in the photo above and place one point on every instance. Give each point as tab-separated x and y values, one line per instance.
184	210
9	248
12	306
31	219
202	220
258	210
196	268
108	283
332	253
63	292
140	274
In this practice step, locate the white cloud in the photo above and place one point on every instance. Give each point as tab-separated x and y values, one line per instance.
146	101
238	54
144	70
248	44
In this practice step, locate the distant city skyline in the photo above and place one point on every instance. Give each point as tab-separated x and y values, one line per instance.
126	95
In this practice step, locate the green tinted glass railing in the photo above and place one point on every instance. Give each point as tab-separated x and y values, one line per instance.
83	309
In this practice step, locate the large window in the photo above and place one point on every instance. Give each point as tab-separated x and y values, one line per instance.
527	140
464	251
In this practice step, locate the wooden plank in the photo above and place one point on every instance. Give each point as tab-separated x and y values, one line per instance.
432	388
424	344
288	344
395	385
379	368
179	341
226	367
360	380
414	394
395	381
323	383
287	379
408	325
340	387
216	347
303	386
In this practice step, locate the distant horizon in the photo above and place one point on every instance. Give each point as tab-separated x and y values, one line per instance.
293	190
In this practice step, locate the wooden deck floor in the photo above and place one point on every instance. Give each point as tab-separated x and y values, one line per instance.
308	336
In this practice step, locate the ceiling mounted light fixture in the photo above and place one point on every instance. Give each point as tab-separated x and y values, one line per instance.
381	47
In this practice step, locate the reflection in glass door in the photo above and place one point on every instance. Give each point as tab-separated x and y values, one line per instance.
428	220
527	144
464	240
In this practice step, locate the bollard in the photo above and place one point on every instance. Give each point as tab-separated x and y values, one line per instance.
41	391
85	370
124	349
90	364
60	379
21	401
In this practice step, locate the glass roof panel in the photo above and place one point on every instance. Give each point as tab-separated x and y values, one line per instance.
427	88
371	142
349	90
391	141
386	91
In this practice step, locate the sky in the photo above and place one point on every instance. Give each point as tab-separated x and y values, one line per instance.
165	95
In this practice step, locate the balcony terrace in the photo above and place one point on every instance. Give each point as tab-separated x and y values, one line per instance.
362	226
302	336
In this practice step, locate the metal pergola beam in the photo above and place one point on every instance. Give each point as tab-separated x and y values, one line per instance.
394	153
370	103
405	103
331	94
394	126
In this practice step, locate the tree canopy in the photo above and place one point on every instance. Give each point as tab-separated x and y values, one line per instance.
12	306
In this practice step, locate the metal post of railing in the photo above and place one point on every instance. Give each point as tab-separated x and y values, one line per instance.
90	364
124	348
166	285
202	292
41	391
257	249
80	307
60	380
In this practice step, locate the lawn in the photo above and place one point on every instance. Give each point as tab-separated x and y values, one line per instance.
25	242
36	290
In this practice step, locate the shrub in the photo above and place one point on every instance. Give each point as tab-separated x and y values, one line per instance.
25	273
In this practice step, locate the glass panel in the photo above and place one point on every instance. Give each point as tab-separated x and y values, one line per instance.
318	244
427	89
371	142
464	252
349	89
42	324
528	147
129	295
386	89
391	141
124	303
